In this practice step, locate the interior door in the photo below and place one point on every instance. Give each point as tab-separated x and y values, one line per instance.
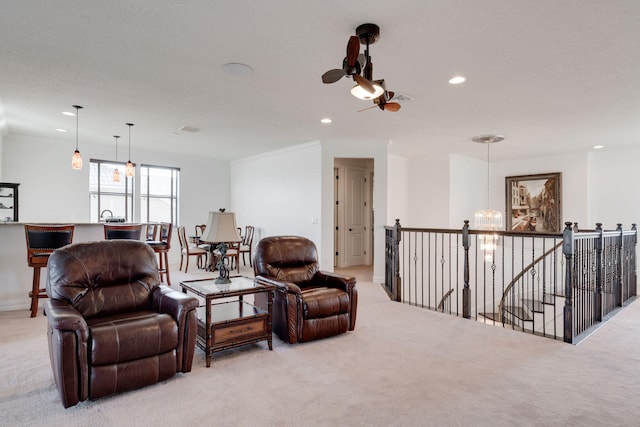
356	211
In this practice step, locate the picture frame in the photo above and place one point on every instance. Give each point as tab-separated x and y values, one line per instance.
533	203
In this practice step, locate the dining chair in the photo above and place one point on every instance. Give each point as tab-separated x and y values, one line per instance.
187	251
246	246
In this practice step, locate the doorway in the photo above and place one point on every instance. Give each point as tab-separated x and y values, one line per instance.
353	212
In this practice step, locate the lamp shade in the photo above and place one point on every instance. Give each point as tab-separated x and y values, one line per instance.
221	227
360	93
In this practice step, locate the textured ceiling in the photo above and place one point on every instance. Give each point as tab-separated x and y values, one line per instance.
552	76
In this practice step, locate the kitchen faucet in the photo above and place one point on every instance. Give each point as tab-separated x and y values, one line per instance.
103	212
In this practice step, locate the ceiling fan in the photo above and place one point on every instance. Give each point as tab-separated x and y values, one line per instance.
385	101
357	65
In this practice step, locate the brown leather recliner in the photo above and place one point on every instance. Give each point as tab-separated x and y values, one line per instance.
111	325
309	304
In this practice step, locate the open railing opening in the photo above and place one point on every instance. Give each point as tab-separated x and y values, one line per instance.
522	284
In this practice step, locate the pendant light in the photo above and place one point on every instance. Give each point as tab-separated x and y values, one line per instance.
488	219
116	172
129	169
76	160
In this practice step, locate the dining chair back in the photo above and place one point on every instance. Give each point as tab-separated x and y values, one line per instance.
186	251
246	246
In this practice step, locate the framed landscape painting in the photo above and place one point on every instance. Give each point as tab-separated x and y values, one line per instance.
533	203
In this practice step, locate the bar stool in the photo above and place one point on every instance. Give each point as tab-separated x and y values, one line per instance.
161	247
42	240
129	231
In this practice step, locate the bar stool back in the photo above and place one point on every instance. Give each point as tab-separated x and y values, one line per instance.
42	240
129	231
161	247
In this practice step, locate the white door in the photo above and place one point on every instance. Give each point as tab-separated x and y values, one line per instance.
356	211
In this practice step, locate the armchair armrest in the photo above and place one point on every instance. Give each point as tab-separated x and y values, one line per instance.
177	304
182	308
334	280
62	316
68	336
281	285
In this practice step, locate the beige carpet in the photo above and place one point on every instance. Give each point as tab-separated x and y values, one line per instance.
402	366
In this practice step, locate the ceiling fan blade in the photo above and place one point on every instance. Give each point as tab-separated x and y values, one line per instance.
364	83
368	108
333	76
391	106
353	50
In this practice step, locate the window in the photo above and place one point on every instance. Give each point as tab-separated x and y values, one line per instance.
159	194
106	195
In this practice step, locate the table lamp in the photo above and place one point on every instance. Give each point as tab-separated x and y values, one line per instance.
222	229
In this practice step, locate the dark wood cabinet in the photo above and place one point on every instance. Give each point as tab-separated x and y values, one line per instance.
8	202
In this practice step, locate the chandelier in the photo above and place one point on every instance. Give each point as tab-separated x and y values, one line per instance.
488	219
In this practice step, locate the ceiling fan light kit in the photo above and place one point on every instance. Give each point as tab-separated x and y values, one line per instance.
360	68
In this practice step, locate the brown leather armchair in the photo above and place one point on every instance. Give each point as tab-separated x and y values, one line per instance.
111	325
309	304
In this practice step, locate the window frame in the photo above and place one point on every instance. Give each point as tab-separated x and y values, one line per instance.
174	195
129	193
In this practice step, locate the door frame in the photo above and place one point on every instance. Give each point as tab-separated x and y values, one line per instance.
339	245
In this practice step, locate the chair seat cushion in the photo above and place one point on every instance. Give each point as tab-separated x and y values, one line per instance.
130	336
323	302
157	244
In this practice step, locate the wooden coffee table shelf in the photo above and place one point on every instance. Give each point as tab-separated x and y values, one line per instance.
232	322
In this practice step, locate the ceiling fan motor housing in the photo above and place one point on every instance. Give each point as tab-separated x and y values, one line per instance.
368	33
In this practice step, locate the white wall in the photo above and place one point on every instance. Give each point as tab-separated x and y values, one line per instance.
615	188
398	186
601	186
279	192
50	191
575	203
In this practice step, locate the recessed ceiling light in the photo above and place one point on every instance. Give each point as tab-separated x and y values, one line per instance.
61	130
457	80
597	147
69	113
237	69
326	120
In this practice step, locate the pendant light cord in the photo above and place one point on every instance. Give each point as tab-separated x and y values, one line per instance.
488	177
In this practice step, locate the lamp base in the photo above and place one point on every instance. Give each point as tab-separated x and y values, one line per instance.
223	280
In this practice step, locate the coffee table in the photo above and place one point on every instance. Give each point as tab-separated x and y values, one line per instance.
233	322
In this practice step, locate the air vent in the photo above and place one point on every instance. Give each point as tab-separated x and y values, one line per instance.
189	129
398	96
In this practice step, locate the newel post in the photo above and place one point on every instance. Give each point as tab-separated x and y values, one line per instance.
466	291
597	300
633	265
397	231
620	266
568	249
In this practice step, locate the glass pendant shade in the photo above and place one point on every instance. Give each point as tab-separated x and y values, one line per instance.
116	172
129	168
361	93
488	219
76	159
